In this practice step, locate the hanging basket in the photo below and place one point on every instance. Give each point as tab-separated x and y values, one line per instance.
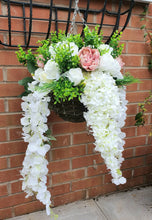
71	111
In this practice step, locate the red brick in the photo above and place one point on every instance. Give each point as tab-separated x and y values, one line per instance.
143	150
60	189
127	173
10	89
140	171
136	181
3	135
80	138
149	159
10	120
54	118
28	208
143	130
148	178
132	87
3	163
129	131
96	170
137	96
68	152
130	121
133	162
128	153
6	213
135	141
143	73
132	60
1	75
69	197
8	58
86	161
56	166
9	175
101	190
15	74
12	148
16	187
150	9
68	127
132	109
16	161
138	48
14	105
87	183
3	190
2	105
91	149
15	133
67	176
61	141
146	60
13	200
130	34
146	85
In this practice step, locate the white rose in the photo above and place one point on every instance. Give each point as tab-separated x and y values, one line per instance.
75	75
41	76
105	47
52	70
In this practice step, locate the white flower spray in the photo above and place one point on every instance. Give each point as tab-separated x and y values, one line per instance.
34	172
106	105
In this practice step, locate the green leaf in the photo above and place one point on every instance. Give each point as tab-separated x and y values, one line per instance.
138	115
143	27
31	66
24	82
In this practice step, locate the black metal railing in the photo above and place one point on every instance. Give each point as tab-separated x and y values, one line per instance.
27	30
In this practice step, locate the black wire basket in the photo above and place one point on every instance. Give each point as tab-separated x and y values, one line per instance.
71	111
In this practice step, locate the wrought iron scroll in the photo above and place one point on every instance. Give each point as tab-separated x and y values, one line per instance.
27	21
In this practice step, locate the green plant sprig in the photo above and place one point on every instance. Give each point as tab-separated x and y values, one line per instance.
64	58
140	116
63	89
127	79
114	43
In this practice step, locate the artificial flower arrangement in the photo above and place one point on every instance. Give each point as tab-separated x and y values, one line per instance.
63	69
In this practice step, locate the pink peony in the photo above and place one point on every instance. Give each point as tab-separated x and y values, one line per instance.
121	63
89	58
40	61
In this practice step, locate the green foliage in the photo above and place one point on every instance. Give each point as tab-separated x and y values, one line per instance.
63	89
44	50
127	79
24	82
77	39
150	64
114	43
55	38
27	59
91	38
64	58
140	116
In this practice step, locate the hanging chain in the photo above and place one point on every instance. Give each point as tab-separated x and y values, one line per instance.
73	29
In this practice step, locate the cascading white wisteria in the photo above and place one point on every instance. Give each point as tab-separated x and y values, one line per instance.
106	104
35	107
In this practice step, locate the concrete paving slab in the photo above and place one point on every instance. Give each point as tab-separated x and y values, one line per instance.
133	205
82	210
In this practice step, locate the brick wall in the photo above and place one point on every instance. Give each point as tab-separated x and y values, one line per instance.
76	172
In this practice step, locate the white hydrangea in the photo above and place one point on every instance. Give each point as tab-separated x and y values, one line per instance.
106	105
